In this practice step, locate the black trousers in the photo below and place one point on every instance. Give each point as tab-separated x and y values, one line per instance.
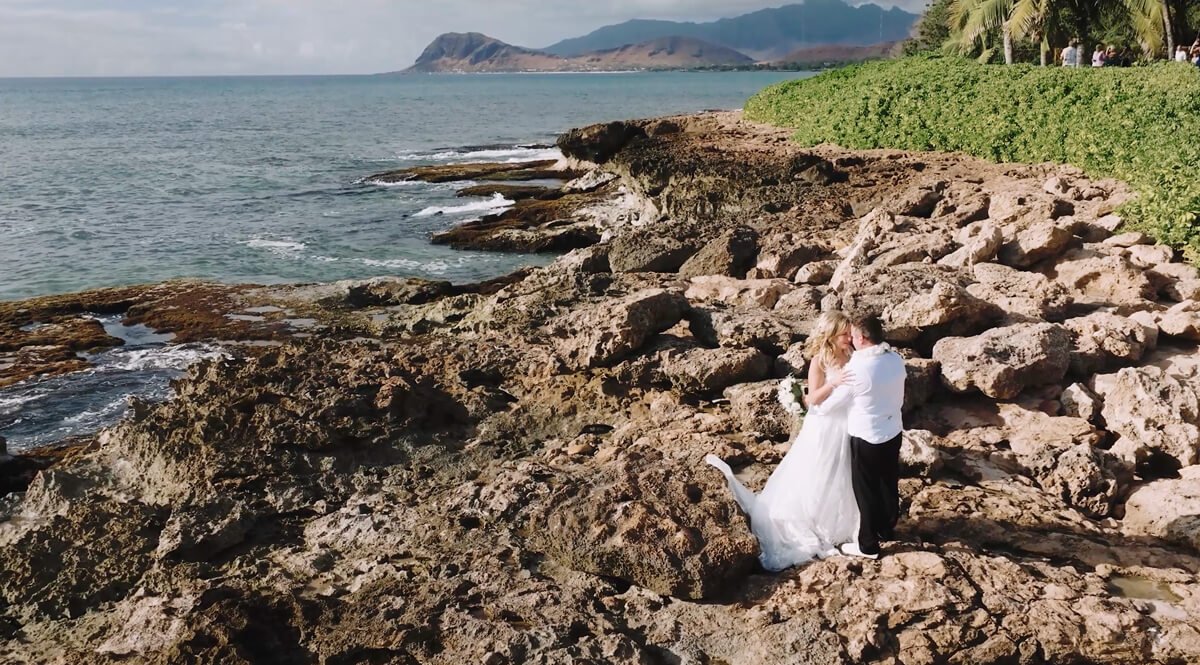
875	472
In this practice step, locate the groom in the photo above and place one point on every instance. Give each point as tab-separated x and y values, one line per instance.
875	393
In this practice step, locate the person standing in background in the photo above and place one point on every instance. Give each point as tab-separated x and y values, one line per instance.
1071	54
1098	56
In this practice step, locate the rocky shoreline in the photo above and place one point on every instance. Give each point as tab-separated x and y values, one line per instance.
512	471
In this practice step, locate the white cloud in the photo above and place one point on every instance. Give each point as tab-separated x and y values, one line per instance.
178	37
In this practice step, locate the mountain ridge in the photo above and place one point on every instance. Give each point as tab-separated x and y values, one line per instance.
766	34
477	52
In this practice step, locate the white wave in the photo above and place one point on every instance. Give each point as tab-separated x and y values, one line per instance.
178	357
9	404
283	246
509	155
492	205
427	156
405	264
388	183
515	155
100	414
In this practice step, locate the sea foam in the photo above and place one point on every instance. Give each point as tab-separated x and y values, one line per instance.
492	205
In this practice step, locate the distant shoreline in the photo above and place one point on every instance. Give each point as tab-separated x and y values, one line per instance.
621	71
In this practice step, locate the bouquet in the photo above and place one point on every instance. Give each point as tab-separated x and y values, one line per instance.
791	395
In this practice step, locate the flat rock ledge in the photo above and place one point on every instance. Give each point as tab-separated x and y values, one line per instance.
512	472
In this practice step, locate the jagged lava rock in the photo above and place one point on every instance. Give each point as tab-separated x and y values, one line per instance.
733	253
652	522
649	251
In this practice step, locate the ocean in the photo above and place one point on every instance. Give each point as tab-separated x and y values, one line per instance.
260	179
106	182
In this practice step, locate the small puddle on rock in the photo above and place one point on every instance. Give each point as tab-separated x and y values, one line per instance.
135	335
1141	588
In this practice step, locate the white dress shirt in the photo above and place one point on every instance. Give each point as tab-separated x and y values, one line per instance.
875	395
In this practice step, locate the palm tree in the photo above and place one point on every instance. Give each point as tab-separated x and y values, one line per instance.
1151	21
1015	18
972	20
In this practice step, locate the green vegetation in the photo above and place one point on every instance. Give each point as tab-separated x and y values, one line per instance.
1139	124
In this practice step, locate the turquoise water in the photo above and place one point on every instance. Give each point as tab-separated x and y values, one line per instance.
117	181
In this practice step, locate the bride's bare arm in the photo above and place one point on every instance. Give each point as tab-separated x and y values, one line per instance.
820	386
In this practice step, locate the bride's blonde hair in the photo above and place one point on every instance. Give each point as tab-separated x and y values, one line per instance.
822	342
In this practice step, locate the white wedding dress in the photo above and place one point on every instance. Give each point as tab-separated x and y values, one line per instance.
807	507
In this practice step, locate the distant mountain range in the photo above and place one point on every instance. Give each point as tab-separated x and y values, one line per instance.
474	52
764	35
815	32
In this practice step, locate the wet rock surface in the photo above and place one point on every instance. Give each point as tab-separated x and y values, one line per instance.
512	471
536	170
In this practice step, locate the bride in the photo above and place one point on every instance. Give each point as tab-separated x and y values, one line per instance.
807	507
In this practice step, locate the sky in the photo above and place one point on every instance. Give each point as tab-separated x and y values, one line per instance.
207	37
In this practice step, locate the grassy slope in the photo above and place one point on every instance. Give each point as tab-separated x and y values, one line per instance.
1141	125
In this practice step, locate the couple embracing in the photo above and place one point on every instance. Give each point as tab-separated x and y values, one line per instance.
837	489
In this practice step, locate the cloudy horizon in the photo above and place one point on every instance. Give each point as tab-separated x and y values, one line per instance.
247	37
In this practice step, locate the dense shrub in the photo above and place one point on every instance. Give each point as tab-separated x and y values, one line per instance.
1141	125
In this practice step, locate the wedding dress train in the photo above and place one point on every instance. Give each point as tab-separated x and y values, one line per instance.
807	507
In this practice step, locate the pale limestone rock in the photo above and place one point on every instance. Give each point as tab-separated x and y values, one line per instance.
610	332
732	253
1167	509
871	229
1002	362
1035	244
756	407
917	301
816	272
1153	410
1021	295
792	361
1182	320
979	243
782	255
1094	278
712	370
1079	401
919	453
772	332
760	293
1149	256
1128	239
1102	341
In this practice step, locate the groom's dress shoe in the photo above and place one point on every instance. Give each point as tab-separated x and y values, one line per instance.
851	549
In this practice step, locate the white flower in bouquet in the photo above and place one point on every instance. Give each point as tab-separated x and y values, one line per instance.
791	395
